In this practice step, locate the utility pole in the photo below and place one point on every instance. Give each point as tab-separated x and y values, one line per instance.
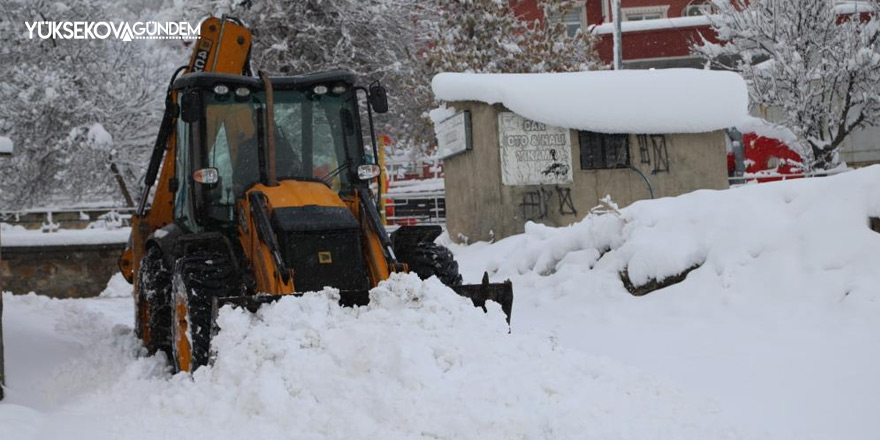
618	34
5	150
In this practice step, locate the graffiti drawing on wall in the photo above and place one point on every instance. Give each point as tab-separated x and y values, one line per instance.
533	153
536	203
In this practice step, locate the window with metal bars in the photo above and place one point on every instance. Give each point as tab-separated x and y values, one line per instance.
656	144
602	151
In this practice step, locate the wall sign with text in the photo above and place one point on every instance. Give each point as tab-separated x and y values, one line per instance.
454	135
533	153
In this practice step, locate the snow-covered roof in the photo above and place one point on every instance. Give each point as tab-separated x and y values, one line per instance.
852	7
628	101
653	25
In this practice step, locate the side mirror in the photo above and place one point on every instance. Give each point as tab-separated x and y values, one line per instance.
191	106
368	172
378	98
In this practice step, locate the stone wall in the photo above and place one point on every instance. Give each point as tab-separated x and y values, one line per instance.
480	208
74	271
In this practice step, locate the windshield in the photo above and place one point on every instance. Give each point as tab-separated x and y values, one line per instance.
310	141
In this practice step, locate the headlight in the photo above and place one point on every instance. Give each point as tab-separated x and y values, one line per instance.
339	89
221	89
320	90
242	92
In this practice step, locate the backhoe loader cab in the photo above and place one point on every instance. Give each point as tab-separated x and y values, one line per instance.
262	189
224	144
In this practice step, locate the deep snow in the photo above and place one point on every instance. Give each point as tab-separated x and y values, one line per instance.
779	326
775	336
419	362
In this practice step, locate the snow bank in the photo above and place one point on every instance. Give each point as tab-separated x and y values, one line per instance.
778	324
631	101
819	224
419	362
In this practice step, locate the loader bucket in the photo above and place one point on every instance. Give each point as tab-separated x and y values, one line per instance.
502	293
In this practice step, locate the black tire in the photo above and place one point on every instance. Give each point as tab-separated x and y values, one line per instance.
153	305
428	259
198	279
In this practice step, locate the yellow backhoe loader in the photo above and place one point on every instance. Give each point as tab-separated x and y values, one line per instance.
261	188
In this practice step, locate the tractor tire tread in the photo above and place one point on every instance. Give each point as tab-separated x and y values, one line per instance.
428	259
155	293
205	276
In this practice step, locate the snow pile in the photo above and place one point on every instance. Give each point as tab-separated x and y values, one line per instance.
117	287
800	234
777	323
441	113
631	101
419	362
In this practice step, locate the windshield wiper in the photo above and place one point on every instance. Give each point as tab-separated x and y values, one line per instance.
328	179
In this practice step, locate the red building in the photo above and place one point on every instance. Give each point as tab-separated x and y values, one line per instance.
656	33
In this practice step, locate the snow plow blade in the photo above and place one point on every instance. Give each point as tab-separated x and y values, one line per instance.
502	293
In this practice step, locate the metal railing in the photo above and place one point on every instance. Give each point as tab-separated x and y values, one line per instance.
416	208
51	219
775	177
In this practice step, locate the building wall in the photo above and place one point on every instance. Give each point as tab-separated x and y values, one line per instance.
480	208
861	148
597	10
661	48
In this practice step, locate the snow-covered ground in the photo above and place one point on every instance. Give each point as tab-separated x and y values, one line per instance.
774	336
779	327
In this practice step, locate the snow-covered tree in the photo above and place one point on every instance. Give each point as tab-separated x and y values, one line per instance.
486	36
405	42
375	39
58	94
816	68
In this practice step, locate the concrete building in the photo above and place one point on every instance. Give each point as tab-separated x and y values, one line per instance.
547	148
